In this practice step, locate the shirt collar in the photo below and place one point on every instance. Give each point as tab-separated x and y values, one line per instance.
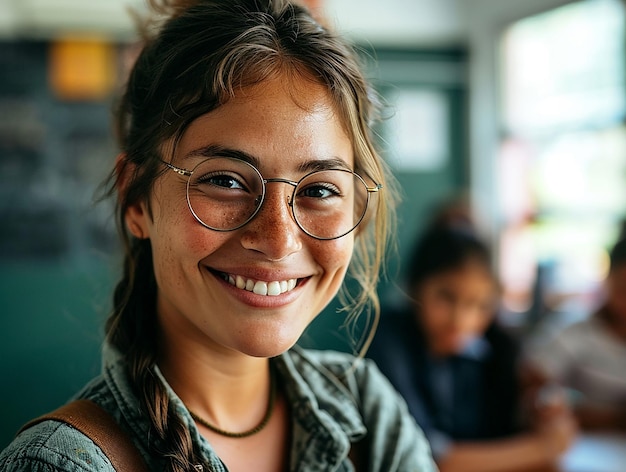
320	391
476	349
325	412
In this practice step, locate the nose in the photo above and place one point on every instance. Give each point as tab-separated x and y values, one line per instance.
457	315
273	231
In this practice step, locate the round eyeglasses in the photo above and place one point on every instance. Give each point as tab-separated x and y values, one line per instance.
225	193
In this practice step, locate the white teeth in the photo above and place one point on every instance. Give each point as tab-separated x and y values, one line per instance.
240	282
259	287
273	288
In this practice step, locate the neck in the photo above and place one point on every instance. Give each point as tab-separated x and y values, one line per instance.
227	388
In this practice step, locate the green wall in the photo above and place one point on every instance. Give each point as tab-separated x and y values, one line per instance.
51	330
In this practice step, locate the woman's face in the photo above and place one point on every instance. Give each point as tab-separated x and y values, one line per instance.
196	303
456	306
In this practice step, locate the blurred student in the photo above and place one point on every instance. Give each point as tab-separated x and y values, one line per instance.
590	356
457	369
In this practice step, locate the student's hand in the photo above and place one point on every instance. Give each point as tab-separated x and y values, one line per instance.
541	397
550	401
557	432
554	419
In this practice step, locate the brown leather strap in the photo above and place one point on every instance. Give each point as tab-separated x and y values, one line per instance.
359	455
94	422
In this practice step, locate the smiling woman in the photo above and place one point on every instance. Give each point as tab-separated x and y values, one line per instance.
247	187
266	246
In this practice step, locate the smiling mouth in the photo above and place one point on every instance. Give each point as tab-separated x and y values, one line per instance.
260	287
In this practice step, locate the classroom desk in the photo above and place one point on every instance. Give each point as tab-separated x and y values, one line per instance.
596	452
593	452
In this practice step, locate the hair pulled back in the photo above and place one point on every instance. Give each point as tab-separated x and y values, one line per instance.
196	58
445	248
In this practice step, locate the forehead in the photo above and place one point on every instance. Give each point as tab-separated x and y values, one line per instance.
285	119
468	276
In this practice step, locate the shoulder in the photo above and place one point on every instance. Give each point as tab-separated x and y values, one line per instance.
360	379
356	392
560	351
53	446
587	339
577	335
340	377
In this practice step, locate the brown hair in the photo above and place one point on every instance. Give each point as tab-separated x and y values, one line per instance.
195	60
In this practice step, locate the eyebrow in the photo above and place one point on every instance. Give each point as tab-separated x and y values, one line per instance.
216	150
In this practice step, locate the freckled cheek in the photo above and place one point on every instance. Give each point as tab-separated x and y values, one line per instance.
181	237
198	241
334	256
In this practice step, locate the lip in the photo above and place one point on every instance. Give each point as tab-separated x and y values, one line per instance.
252	299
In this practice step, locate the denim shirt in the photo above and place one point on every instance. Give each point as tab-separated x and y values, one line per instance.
334	402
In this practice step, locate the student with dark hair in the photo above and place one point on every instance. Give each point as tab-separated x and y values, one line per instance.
589	356
247	186
456	367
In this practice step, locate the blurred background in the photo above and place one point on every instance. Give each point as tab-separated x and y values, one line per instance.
512	110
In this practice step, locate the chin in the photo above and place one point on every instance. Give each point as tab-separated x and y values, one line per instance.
267	346
265	351
449	348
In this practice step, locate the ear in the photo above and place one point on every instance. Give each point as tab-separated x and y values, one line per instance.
137	219
135	215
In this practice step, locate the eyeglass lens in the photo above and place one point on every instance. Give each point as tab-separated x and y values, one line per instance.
225	193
